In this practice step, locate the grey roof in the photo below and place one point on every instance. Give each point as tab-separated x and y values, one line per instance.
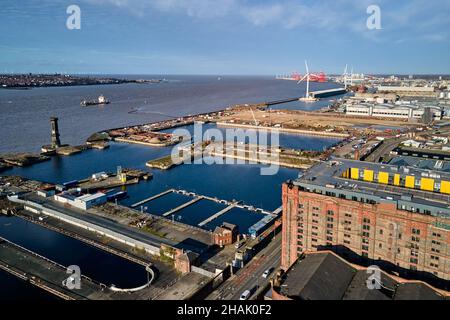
327	176
428	164
315	278
325	276
416	291
358	290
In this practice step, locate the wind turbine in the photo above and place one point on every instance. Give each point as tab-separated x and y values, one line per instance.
307	77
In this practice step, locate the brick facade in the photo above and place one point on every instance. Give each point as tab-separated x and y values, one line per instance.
377	232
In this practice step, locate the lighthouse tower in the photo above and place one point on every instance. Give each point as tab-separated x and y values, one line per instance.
56	143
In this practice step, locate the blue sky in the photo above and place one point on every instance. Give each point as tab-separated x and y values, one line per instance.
224	36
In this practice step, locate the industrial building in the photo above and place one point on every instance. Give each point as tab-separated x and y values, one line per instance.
83	202
398	111
395	217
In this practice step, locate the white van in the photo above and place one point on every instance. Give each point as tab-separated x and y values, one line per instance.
245	295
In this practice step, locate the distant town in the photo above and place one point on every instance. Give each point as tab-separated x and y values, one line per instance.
31	80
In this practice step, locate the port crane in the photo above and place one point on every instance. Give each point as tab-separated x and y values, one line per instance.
345	75
354	78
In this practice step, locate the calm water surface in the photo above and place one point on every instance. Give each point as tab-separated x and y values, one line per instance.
24	124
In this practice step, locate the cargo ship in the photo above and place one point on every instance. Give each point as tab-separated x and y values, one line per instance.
100	101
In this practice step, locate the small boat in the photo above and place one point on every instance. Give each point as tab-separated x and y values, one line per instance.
100	101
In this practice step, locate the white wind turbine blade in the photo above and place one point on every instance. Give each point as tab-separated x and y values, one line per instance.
351	78
303	79
307	80
345	76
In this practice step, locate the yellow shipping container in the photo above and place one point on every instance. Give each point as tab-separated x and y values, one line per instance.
368	175
346	174
445	187
354	174
427	184
409	182
397	180
383	177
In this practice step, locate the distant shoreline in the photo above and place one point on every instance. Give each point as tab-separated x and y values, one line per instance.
29	81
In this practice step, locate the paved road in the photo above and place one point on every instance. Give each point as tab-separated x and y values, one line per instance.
385	148
251	275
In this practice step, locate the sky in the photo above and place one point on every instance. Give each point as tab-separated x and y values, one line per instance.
221	37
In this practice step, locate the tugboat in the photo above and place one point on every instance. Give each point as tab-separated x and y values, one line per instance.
100	101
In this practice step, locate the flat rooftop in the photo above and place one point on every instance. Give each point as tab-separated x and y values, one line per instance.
332	178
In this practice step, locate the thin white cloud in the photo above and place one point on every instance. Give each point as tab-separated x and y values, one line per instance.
414	16
192	8
263	15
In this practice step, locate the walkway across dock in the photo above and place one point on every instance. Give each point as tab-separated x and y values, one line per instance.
218	214
187	204
137	204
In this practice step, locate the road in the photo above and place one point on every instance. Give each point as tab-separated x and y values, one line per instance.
384	149
251	275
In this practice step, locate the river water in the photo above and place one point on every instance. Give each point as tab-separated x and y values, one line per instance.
24	124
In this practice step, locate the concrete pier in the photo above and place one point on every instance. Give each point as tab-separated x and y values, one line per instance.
168	213
218	214
328	93
137	204
272	103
